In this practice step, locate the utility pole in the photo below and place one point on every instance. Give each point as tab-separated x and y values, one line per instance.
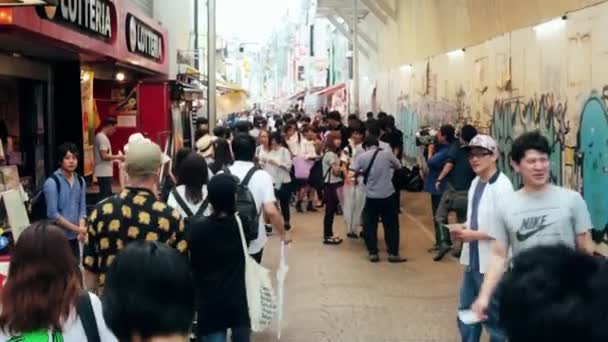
211	81
355	41
196	45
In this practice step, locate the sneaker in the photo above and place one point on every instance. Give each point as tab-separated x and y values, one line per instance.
396	259
287	226
441	253
268	229
374	258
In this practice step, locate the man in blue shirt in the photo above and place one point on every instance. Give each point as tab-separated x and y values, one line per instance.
65	201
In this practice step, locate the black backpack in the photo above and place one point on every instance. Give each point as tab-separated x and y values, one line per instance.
39	210
182	204
245	202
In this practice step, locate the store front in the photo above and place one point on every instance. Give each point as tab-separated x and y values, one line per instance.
63	69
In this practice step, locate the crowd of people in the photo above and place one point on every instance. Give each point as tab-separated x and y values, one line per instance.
164	254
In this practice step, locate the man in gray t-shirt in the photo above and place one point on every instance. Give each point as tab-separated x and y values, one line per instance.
554	216
539	214
104	169
377	167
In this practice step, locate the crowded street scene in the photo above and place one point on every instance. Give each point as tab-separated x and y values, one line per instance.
303	171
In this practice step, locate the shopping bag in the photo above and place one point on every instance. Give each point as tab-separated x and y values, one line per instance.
281	276
302	167
261	299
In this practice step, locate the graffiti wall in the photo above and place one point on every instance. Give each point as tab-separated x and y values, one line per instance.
552	78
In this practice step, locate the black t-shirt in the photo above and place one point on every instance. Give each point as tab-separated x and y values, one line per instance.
218	265
462	174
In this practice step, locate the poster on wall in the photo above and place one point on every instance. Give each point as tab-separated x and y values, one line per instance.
126	110
90	119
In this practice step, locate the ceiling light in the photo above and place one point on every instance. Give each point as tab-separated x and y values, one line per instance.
120	76
456	53
550	26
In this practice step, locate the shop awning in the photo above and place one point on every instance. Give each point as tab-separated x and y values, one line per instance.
331	89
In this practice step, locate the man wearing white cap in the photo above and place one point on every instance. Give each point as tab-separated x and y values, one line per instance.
133	215
489	187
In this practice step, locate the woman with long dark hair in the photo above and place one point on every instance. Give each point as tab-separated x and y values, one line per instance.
333	179
222	156
42	298
189	196
218	264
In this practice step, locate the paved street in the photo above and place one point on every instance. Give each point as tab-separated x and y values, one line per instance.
335	294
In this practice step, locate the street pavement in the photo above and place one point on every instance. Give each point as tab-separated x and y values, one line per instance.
333	293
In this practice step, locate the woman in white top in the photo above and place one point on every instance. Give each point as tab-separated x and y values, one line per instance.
42	299
190	196
274	157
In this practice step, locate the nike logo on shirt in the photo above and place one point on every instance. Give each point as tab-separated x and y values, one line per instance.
530	226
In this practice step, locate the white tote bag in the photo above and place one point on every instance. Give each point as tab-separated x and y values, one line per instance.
261	299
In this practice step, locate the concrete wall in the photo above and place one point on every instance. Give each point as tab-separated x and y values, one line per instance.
177	17
551	79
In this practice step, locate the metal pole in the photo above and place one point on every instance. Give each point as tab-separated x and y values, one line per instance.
196	45
355	40
211	106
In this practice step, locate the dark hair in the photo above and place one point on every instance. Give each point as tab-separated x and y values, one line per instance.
371	140
109	121
467	133
449	132
370	115
329	141
243	147
554	294
359	129
223	157
159	301
381	115
63	149
353	117
181	154
242	127
278	138
219	131
529	141
373	128
43	284
335	115
306	119
202	121
222	194
193	174
200	133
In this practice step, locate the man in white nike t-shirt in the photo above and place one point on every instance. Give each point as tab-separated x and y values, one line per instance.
537	215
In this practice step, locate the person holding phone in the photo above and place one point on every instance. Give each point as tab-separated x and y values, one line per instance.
489	187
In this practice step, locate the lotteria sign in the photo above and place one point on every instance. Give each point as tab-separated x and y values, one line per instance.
143	40
93	17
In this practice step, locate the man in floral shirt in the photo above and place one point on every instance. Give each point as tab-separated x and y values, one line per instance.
135	214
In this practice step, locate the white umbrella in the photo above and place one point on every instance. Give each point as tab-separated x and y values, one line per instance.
281	276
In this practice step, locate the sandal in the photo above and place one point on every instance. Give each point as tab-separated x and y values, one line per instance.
332	240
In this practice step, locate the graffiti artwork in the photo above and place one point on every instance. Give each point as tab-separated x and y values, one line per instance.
593	159
512	117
